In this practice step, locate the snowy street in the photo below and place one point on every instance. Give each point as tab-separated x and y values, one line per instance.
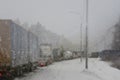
74	70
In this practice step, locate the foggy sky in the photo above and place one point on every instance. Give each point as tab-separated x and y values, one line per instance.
56	15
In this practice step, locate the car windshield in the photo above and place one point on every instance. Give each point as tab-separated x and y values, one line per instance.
59	39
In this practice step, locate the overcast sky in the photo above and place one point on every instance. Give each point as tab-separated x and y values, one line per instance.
60	15
54	14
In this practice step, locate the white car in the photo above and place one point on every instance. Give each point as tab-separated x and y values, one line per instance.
67	55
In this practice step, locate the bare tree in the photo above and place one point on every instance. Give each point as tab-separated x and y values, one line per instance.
116	40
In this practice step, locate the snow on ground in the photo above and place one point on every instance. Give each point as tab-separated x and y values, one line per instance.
74	70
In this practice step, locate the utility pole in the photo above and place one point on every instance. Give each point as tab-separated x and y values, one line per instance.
86	45
80	14
81	40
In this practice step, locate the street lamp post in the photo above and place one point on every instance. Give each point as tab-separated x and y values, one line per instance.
86	45
81	40
77	13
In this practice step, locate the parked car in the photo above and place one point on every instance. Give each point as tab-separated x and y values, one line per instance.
67	55
94	54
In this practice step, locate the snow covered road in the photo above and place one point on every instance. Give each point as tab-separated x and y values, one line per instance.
74	70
